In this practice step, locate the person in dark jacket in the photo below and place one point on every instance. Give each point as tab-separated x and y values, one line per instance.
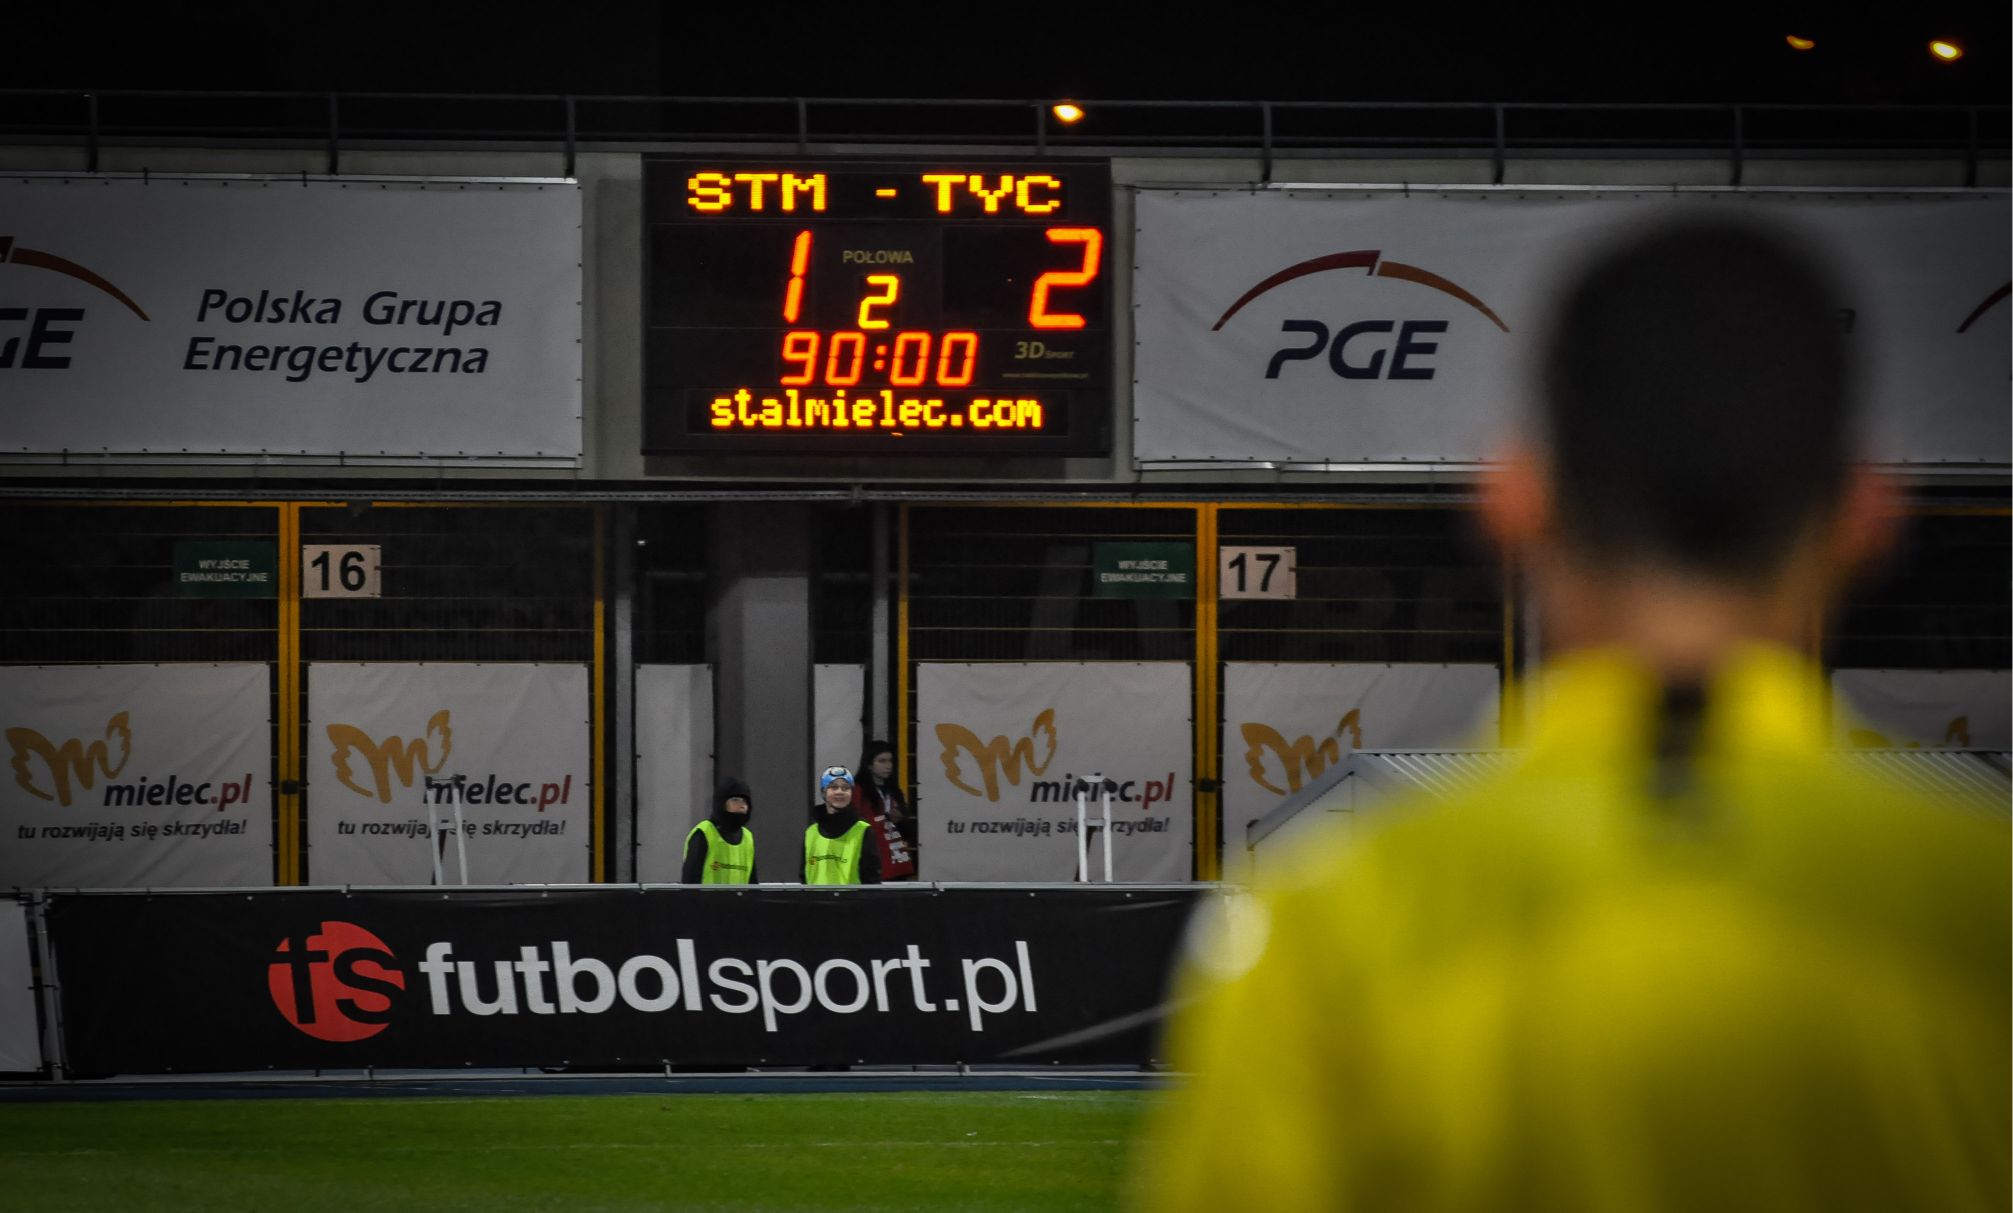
838	847
721	849
879	801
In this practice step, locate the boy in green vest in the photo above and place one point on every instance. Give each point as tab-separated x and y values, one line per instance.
836	848
721	849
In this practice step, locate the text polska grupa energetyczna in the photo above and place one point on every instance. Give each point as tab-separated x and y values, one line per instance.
360	361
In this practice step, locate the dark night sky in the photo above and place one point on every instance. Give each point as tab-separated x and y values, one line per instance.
1247	49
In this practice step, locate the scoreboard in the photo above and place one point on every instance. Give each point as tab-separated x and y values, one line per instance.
807	306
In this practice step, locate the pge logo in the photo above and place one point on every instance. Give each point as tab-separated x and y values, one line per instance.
392	756
71	759
1367	359
335	984
1301	755
998	756
43	322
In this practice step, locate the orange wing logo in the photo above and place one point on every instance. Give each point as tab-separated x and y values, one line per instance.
71	759
998	756
394	756
1299	760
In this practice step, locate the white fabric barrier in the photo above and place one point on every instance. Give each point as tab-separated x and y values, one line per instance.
511	740
1285	724
1001	746
123	776
1928	709
1376	326
674	764
20	1037
838	694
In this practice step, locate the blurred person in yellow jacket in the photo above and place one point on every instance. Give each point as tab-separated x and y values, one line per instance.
1676	956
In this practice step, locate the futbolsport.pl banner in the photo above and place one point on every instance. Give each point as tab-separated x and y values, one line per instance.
1309	326
136	776
1923	709
1286	724
601	977
1002	749
286	316
394	747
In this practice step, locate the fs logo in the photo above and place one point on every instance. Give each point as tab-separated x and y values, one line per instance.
1301	759
72	758
394	756
1406	353
42	322
335	983
997	756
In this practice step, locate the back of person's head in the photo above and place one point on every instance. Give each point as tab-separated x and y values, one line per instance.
1697	410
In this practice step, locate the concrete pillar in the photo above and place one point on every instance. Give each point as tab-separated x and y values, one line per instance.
758	637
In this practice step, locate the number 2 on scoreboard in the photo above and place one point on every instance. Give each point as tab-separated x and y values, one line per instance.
1038	314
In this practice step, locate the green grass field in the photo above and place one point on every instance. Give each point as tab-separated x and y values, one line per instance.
882	1151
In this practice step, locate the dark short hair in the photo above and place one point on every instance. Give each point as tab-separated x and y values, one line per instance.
1697	408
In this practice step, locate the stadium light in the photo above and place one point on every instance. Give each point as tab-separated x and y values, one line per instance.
1800	44
1946	50
1067	112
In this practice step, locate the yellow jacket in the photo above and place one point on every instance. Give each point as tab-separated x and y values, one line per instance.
1786	988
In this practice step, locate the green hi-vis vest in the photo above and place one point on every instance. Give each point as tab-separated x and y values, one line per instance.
726	863
833	860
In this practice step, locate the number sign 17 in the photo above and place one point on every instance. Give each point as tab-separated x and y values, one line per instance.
331	570
1247	572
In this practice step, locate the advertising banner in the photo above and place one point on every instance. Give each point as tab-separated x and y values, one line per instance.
1386	326
674	763
1924	709
1002	748
212	316
136	776
389	742
595	977
20	1034
1285	724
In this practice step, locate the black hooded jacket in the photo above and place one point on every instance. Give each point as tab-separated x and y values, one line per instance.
730	826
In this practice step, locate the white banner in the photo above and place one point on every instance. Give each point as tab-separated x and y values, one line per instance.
838	694
1926	709
1284	725
674	764
136	776
283	316
20	1038
1000	747
1354	326
510	739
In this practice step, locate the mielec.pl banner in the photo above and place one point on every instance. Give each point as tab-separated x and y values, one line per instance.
392	747
602	977
1387	326
1923	709
674	764
1284	725
1002	748
136	776
283	316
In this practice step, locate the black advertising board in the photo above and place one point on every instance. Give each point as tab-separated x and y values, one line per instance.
310	979
917	307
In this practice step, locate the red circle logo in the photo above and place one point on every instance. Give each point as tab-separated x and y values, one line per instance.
335	983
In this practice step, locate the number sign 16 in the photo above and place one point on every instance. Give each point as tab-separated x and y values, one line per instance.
330	570
1243	572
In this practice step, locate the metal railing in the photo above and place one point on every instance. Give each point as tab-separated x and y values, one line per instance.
94	119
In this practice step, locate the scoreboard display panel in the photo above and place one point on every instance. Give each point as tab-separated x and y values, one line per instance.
805	306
